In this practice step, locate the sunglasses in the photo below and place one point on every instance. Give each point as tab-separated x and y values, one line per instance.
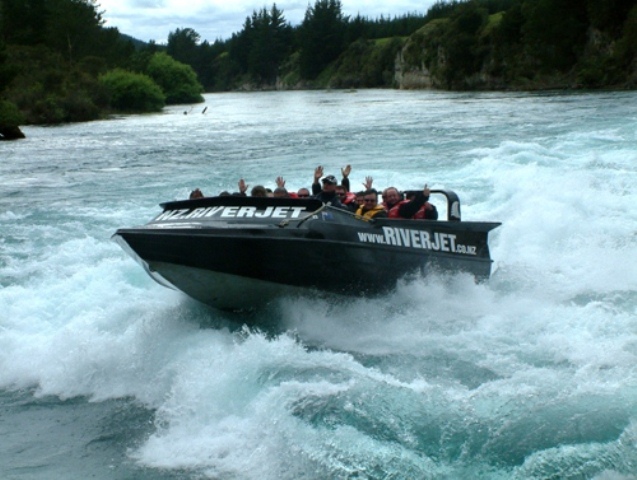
302	196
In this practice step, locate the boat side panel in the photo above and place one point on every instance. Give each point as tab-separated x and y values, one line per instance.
333	266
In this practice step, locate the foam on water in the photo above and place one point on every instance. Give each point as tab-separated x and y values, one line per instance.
531	375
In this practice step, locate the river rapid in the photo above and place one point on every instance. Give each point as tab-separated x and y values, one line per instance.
532	375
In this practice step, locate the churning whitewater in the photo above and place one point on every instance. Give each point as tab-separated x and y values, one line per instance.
531	375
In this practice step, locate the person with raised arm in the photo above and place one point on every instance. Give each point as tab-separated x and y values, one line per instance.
326	193
416	208
370	208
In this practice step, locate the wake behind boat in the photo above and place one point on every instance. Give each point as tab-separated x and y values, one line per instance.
235	252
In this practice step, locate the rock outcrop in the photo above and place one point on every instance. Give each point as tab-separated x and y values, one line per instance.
11	133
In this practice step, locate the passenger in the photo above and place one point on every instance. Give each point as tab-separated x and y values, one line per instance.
345	185
258	191
371	208
367	184
303	193
398	208
360	199
345	171
427	211
346	198
196	193
316	186
226	193
357	200
243	188
318	173
384	195
280	192
328	192
341	192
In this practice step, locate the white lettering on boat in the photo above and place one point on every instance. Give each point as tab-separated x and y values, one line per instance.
404	237
230	212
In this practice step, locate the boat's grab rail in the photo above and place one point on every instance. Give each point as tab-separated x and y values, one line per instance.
453	202
286	222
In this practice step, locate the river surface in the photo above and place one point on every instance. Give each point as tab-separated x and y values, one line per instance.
105	374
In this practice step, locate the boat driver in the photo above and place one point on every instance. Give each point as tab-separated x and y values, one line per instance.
328	192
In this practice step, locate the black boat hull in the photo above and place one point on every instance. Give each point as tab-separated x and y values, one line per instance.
244	262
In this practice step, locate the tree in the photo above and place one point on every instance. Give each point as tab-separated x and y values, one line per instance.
269	43
72	28
10	116
322	37
265	41
133	92
464	56
177	80
609	15
183	46
22	21
554	32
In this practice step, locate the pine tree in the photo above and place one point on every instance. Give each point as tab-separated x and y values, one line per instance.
322	35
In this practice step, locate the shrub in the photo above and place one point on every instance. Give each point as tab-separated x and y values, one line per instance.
132	92
177	80
10	116
47	110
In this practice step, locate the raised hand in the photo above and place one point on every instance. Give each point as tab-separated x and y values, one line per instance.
318	173
242	186
346	171
368	183
280	182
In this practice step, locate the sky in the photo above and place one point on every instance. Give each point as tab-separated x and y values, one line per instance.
219	19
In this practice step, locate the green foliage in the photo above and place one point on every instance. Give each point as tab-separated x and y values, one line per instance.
367	64
132	92
322	37
47	110
609	14
424	45
526	44
183	46
7	70
270	40
554	32
53	51
627	44
178	81
10	115
263	44
47	91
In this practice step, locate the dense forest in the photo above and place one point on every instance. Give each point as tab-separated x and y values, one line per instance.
59	63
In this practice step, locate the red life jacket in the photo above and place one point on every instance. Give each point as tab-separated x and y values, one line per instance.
420	214
393	211
349	198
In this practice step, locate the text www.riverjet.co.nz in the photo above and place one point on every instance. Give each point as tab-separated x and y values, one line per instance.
403	237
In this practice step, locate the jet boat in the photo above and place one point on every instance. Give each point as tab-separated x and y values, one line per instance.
236	253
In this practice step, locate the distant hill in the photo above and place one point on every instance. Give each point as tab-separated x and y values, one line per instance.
139	44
